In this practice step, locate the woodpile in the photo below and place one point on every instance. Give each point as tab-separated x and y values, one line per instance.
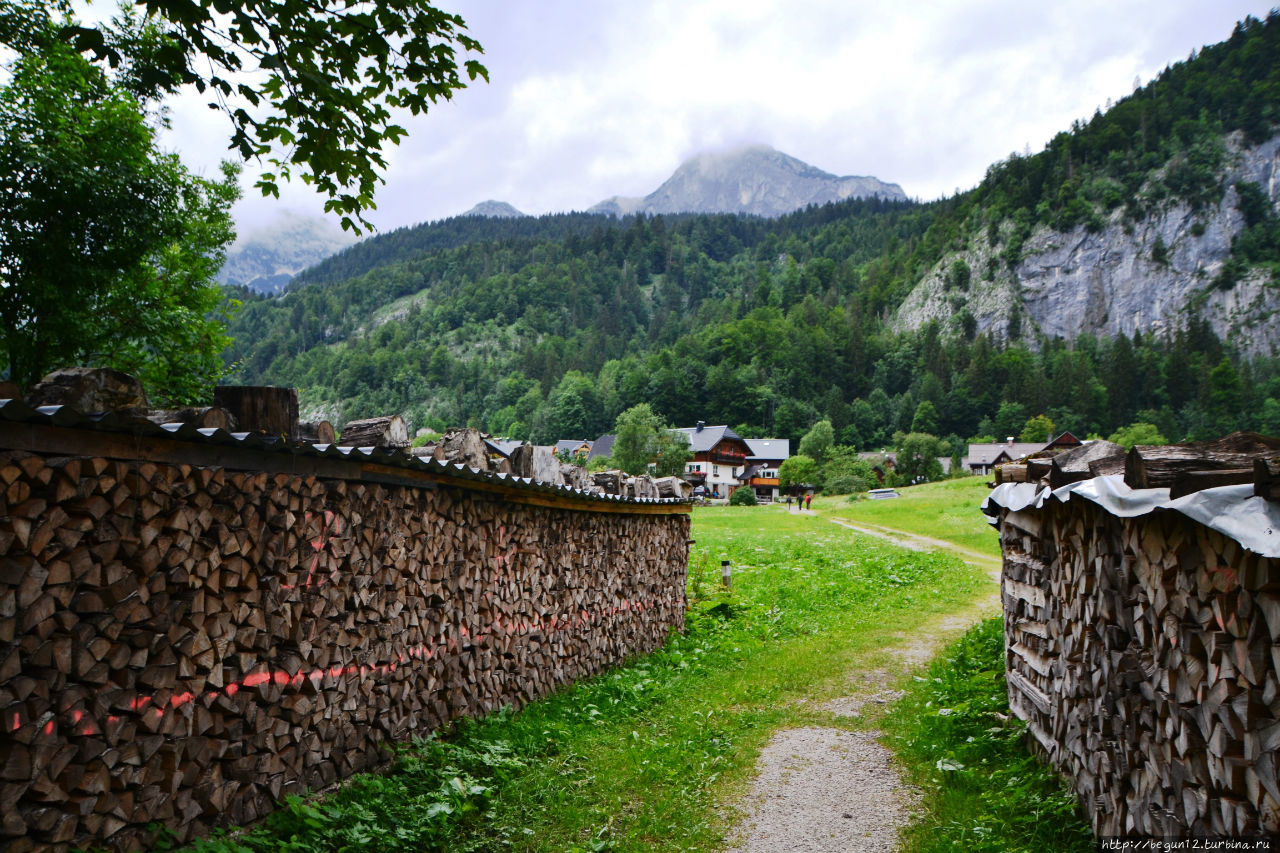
383	431
261	408
1182	468
204	417
1144	654
185	644
90	390
316	432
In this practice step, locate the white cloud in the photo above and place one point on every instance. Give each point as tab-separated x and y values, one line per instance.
591	100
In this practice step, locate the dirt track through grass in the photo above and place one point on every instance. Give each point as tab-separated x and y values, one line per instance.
826	789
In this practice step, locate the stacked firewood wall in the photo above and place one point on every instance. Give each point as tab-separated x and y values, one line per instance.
1144	654
186	644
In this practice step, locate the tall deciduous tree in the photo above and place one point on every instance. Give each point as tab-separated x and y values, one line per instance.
108	246
818	441
308	84
643	439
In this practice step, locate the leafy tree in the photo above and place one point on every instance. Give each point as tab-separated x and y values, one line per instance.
108	247
918	454
926	418
674	453
799	470
310	85
1039	428
1010	419
1137	433
845	473
642	438
818	441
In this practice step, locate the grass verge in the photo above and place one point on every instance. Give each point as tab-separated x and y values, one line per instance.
946	510
983	790
642	757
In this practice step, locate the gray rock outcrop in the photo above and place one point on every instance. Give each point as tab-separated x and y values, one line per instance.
1113	281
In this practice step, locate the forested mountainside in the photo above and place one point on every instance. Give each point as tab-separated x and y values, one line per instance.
549	327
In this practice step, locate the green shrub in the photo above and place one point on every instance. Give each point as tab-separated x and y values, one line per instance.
743	497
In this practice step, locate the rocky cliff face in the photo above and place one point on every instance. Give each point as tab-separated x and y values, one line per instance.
266	259
756	179
1116	280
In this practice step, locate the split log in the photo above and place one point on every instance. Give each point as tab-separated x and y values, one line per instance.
1074	464
463	445
198	416
316	432
1266	478
1158	466
536	462
610	481
673	487
90	390
384	431
1188	482
261	408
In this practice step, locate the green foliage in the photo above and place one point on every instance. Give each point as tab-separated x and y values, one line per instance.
818	441
844	473
1137	433
926	418
798	470
744	496
108	247
1037	429
697	316
329	120
643	439
983	790
918	454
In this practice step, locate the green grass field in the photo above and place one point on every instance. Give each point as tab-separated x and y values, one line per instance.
946	510
647	756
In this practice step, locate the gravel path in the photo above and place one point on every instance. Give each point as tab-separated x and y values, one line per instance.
823	790
829	790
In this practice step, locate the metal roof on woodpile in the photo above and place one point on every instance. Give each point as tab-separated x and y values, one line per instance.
14	411
1231	484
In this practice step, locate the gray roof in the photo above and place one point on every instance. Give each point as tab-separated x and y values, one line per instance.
769	448
985	454
569	445
16	411
602	446
702	440
503	445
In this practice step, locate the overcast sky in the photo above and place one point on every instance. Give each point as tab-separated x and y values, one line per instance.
591	99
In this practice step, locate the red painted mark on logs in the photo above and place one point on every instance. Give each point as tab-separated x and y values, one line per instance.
331	527
281	677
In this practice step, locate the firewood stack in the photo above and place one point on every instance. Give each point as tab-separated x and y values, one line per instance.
1144	654
185	645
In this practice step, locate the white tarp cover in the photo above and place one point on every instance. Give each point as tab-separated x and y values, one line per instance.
1233	511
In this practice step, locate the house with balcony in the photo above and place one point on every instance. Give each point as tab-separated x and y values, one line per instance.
761	471
719	458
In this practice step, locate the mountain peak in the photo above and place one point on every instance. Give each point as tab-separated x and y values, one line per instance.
495	209
754	179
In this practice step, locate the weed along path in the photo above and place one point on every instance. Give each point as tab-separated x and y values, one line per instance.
830	786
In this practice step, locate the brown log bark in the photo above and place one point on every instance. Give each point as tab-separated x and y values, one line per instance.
261	408
1153	467
90	389
316	432
384	431
1075	464
198	416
